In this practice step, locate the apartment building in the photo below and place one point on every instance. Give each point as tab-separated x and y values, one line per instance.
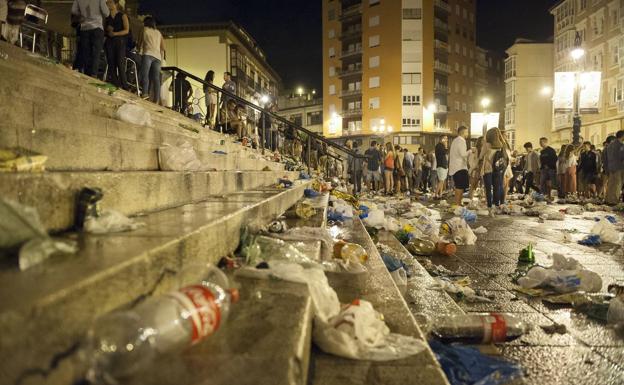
391	67
528	96
304	110
489	82
600	24
222	47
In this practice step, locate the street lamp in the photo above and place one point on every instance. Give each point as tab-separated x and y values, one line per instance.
577	53
546	91
300	91
264	99
485	103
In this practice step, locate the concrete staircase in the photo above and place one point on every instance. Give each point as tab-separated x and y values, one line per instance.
190	219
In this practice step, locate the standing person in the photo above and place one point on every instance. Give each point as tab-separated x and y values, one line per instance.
408	166
548	167
493	166
517	168
152	47
441	156
210	98
615	167
182	93
418	170
433	175
355	169
399	172
458	164
91	14
228	86
531	167
588	170
426	175
570	157
11	19
605	172
389	168
561	172
473	167
117	30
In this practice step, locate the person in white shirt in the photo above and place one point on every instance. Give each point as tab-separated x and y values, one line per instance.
458	163
91	14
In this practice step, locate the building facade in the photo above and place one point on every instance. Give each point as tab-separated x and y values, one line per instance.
490	82
303	110
600	24
390	68
222	47
528	97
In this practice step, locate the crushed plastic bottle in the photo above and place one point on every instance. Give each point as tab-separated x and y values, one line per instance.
350	252
420	246
480	328
123	342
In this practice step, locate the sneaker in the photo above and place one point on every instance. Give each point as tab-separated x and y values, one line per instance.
491	212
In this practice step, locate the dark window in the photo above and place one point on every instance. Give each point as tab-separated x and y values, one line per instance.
315	118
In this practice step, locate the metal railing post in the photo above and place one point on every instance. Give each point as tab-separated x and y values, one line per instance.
264	138
309	154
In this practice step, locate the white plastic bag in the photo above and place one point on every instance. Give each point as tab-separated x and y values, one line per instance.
606	231
359	332
18	224
480	230
132	113
564	276
178	158
38	250
376	218
399	276
461	233
110	221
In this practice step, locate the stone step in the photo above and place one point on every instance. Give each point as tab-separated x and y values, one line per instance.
54	194
45	310
377	287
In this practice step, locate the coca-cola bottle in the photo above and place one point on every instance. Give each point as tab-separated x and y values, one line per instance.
480	328
122	342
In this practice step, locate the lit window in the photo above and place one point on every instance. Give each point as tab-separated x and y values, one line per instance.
373	62
373	21
373	82
373	41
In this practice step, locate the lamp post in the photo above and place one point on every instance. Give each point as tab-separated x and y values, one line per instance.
485	103
577	53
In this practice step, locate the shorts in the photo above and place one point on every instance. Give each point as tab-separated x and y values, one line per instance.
442	173
460	179
589	178
373	176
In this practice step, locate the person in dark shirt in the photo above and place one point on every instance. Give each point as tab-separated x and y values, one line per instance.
374	159
441	156
117	29
588	166
183	92
548	167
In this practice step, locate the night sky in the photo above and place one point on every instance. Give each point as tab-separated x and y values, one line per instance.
289	31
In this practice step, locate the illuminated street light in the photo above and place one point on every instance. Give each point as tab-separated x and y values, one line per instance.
577	53
264	99
389	128
313	92
485	103
546	91
300	91
432	108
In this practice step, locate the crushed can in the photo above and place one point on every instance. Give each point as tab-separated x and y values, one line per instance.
277	227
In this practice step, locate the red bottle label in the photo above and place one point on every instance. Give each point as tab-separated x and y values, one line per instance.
201	310
499	328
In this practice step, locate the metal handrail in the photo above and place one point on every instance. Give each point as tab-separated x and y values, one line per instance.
310	135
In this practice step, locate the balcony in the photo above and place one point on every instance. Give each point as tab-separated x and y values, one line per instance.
349	72
353	52
441	89
351	12
442	67
350	93
441	109
350	34
443	5
440	25
439	44
355	113
563	121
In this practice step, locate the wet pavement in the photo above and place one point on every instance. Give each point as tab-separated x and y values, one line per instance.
588	352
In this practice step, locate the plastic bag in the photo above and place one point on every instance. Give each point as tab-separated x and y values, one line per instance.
468	366
480	230
607	232
564	276
20	160
181	157
359	332
310	234
376	218
110	221
468	215
133	113
19	224
459	232
38	250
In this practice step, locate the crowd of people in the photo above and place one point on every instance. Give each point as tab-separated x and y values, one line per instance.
490	167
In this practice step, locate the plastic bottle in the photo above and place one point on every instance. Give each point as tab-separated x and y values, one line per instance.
122	342
480	328
446	248
350	252
421	246
615	315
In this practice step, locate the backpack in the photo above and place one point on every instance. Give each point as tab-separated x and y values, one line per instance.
499	163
